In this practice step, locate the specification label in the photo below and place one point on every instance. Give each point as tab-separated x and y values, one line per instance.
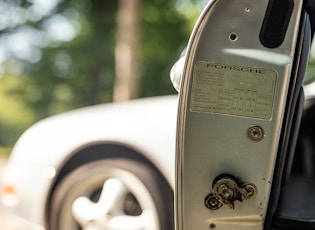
233	90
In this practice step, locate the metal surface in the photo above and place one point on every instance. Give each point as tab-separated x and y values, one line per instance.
230	82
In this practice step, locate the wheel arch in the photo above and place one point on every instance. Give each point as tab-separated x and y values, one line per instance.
93	152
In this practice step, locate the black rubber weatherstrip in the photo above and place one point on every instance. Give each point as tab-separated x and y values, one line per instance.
297	75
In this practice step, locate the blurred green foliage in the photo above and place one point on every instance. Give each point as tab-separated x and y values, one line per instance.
15	114
77	70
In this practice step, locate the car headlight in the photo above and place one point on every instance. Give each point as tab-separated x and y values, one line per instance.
176	73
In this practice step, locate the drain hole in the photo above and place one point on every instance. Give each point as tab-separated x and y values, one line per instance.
233	37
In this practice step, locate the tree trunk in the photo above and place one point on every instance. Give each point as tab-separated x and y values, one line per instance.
126	51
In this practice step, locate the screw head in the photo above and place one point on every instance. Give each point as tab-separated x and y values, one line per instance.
225	191
255	133
212	203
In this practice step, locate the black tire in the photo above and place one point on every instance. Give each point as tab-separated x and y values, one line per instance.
88	180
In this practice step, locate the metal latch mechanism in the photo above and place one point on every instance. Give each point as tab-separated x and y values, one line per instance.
226	189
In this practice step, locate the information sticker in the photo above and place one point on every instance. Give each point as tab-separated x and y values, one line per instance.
233	90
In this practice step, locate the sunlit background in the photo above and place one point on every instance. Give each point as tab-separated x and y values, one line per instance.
59	55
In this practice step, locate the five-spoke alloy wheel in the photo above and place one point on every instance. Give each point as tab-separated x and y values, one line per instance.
113	194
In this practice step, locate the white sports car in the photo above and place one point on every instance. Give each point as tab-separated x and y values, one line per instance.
103	167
